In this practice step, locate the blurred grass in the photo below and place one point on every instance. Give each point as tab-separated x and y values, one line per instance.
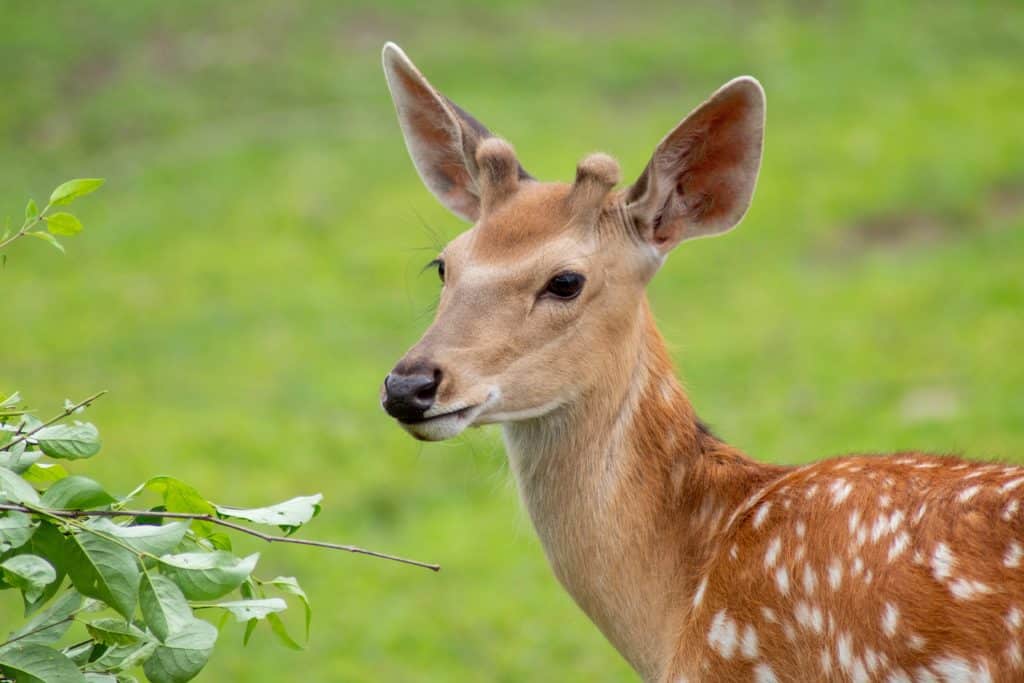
250	271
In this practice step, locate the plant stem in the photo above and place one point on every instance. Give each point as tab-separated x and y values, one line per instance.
25	227
67	411
269	538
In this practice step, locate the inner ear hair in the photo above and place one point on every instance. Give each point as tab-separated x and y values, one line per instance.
596	175
497	171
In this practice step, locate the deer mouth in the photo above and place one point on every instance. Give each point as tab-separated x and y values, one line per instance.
449	423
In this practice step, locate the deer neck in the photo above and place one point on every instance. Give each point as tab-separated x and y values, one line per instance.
628	491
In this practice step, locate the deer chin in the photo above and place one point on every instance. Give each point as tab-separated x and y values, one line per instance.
446	422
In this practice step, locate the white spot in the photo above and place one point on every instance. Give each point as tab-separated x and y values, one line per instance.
734	551
817	619
790	632
1010	510
897	676
811	491
1014	654
926	465
782	580
968	493
959	670
854	520
895	520
801	529
1014	619
1013	555
972	475
965	589
942	561
748	644
722	635
771	556
884	500
844	651
698	597
859	673
916	641
857	567
826	660
764	674
761	514
899	544
1011	485
870	659
769	615
835	574
841	489
890	616
880	526
924	675
920	513
802	612
810	580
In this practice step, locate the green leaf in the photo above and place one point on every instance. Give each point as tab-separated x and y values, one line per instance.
163	605
290	513
16	528
181	497
70	441
44	473
30	573
63	223
33	662
124	657
114	632
290	585
15	489
277	626
102	569
207	575
47	237
146	538
244	610
73	189
50	625
76	492
183	655
31	210
17	459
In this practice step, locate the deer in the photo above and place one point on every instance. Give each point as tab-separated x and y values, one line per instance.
695	561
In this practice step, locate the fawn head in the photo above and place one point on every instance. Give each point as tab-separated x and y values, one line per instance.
542	292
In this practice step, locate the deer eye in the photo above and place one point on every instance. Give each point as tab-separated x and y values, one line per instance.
565	286
439	265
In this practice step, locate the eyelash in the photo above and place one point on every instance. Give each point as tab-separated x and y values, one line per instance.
437	264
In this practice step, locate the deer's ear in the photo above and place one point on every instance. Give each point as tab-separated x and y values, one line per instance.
702	175
442	138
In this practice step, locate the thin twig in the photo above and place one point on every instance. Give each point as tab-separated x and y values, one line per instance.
269	538
67	411
70	617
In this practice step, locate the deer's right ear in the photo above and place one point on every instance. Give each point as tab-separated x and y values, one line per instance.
701	177
442	138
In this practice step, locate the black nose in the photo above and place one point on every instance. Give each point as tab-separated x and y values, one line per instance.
410	390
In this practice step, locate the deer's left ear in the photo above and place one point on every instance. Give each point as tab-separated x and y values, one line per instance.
701	178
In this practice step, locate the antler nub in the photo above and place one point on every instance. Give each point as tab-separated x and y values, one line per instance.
498	171
596	175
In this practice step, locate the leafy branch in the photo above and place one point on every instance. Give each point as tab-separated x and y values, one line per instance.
60	223
270	538
129	581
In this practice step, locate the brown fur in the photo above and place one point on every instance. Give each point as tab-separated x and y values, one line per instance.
696	562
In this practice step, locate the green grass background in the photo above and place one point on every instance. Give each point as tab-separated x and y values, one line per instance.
251	270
